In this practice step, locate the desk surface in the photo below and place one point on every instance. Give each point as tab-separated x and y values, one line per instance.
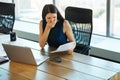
72	67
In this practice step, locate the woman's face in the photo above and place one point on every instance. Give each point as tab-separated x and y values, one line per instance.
50	17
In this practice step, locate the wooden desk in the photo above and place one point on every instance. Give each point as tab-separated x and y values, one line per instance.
72	67
115	77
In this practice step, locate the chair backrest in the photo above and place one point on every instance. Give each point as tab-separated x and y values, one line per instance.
81	23
7	17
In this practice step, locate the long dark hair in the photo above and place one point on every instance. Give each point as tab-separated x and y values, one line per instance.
50	8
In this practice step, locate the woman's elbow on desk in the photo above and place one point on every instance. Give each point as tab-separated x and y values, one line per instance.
41	44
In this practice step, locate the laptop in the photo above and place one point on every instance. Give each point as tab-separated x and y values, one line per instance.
24	54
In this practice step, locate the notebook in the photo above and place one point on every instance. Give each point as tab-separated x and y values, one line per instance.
24	54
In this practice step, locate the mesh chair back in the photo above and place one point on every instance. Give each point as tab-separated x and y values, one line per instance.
81	23
7	17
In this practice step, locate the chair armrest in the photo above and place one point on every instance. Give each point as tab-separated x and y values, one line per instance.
83	49
86	50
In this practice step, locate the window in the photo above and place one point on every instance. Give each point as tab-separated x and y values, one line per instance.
115	31
10	1
30	10
99	11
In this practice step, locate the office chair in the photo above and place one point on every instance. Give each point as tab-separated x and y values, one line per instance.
7	17
80	20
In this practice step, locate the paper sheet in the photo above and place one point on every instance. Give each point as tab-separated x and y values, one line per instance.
64	47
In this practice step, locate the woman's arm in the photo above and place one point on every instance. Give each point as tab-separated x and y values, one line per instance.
68	31
43	35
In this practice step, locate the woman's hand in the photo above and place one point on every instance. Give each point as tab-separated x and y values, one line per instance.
71	51
51	24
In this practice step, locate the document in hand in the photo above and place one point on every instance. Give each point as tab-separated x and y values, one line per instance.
64	47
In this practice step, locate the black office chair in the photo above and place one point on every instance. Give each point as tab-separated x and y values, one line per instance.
81	23
7	17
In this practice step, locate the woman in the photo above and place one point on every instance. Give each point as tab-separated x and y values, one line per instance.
54	29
